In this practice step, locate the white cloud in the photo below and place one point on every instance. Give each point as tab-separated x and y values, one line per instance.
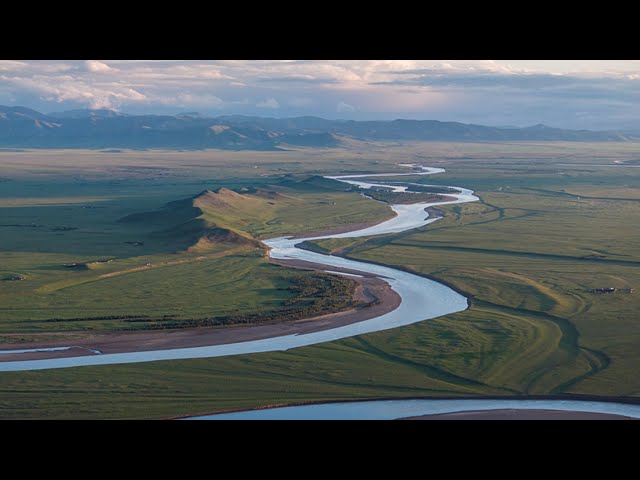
97	67
69	88
271	103
502	92
10	65
345	107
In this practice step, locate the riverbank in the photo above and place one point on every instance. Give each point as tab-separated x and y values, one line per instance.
513	414
418	299
447	407
373	294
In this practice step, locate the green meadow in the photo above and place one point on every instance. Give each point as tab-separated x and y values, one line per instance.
182	252
551	225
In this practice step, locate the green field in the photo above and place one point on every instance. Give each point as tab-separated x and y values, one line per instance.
86	265
551	226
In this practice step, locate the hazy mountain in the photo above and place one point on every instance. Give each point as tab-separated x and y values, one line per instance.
23	128
86	113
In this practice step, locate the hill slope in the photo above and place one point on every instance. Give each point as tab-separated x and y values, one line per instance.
204	222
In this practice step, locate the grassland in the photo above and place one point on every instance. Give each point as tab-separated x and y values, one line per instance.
530	250
551	226
400	198
92	266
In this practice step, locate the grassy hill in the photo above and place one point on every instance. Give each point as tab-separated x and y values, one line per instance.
198	260
207	221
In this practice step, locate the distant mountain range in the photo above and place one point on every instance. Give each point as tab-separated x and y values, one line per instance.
22	127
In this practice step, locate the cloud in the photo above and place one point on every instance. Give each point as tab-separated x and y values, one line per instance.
10	65
490	92
308	79
68	88
345	107
445	78
268	103
97	67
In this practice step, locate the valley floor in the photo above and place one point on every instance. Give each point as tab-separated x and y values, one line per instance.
553	224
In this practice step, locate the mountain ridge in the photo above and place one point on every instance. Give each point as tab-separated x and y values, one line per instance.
22	127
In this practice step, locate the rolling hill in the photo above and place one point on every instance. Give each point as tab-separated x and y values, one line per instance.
206	221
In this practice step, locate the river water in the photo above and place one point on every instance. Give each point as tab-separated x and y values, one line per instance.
394	409
421	298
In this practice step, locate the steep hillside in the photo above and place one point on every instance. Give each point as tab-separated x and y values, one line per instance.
207	221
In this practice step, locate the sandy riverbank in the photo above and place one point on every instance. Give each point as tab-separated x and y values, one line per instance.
371	291
516	414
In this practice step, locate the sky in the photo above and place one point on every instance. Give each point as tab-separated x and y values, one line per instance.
561	93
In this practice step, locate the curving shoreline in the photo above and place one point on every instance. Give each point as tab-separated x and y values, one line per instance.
371	290
520	414
421	298
444	407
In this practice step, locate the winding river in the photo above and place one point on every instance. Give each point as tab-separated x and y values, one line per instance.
421	298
